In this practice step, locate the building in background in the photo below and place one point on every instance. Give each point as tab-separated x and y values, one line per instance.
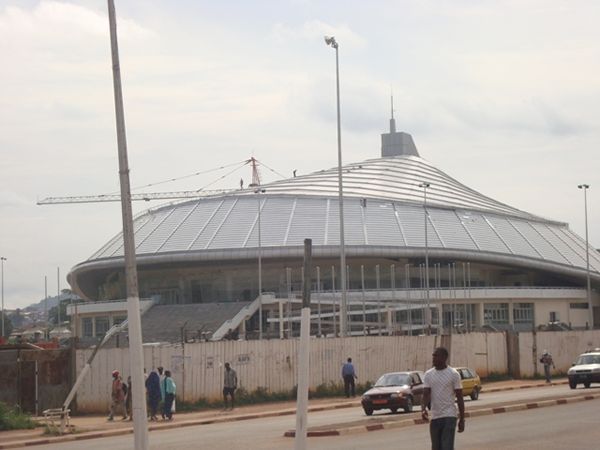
491	266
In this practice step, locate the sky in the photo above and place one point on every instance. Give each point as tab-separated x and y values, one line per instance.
503	95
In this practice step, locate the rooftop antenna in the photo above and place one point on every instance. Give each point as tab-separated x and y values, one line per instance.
392	120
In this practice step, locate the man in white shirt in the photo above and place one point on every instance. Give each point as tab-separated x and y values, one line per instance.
441	385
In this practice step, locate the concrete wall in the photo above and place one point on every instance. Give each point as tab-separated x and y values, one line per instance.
273	363
564	346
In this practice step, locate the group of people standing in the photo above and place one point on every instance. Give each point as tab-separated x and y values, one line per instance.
160	387
161	390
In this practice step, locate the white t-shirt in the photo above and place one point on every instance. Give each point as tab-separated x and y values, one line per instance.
443	384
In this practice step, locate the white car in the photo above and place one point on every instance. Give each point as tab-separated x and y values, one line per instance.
585	370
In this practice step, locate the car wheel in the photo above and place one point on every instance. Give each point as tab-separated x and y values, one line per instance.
368	411
394	410
408	406
572	384
475	394
587	384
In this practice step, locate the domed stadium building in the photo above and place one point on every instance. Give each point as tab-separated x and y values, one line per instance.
489	265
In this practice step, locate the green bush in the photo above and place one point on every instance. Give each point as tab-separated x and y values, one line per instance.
13	419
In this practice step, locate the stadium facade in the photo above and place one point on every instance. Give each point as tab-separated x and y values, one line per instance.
489	264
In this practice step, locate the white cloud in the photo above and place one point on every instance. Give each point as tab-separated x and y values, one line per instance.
316	29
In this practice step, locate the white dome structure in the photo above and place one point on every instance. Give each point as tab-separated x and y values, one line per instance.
205	250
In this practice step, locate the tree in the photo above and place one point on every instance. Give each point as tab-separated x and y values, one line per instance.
53	313
8	327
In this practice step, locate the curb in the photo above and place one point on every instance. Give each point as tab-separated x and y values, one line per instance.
469	414
186	423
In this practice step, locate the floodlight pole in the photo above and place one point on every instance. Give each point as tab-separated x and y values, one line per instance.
426	185
260	302
343	305
585	187
140	424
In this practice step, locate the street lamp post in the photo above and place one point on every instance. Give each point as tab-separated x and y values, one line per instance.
2	259
585	187
426	185
330	41
260	303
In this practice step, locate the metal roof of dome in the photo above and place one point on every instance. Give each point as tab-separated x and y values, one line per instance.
462	222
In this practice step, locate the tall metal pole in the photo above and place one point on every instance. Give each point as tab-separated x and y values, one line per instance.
425	185
46	305
58	297
2	259
140	424
585	187
303	353
260	302
343	306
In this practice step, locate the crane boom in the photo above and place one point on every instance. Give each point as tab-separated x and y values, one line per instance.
149	196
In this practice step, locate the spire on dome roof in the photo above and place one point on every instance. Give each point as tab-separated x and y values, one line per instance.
397	143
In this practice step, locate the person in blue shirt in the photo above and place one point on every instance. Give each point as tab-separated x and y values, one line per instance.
167	390
349	375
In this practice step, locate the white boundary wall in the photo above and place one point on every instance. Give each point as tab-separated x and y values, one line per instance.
564	347
272	363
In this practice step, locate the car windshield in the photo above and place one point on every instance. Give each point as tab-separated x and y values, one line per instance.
588	359
393	379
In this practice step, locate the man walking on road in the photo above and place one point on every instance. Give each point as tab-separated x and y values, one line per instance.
441	385
348	374
547	361
229	384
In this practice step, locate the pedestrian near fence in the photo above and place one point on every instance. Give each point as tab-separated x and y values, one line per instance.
548	362
230	382
153	390
349	375
168	389
117	396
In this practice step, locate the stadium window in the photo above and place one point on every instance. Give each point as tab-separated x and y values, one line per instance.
523	313
496	313
87	327
102	325
578	306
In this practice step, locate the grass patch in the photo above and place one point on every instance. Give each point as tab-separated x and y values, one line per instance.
495	376
262	395
13	419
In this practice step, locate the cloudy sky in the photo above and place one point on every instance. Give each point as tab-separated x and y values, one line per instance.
502	95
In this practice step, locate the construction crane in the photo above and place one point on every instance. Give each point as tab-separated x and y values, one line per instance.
149	196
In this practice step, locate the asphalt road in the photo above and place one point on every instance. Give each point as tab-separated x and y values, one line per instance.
557	427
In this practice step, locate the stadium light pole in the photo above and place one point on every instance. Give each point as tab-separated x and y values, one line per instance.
330	41
425	185
2	259
585	187
260	303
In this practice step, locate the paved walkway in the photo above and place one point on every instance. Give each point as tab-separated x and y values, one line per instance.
91	426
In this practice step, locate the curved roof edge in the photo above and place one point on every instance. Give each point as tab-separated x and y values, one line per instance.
329	251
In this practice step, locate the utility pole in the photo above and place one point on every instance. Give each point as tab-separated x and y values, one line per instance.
303	353
136	350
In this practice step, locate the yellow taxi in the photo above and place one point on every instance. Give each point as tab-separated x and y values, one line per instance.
471	383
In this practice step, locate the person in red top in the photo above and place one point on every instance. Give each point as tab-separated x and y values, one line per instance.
117	396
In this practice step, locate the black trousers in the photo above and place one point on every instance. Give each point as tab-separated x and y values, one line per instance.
168	406
349	385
